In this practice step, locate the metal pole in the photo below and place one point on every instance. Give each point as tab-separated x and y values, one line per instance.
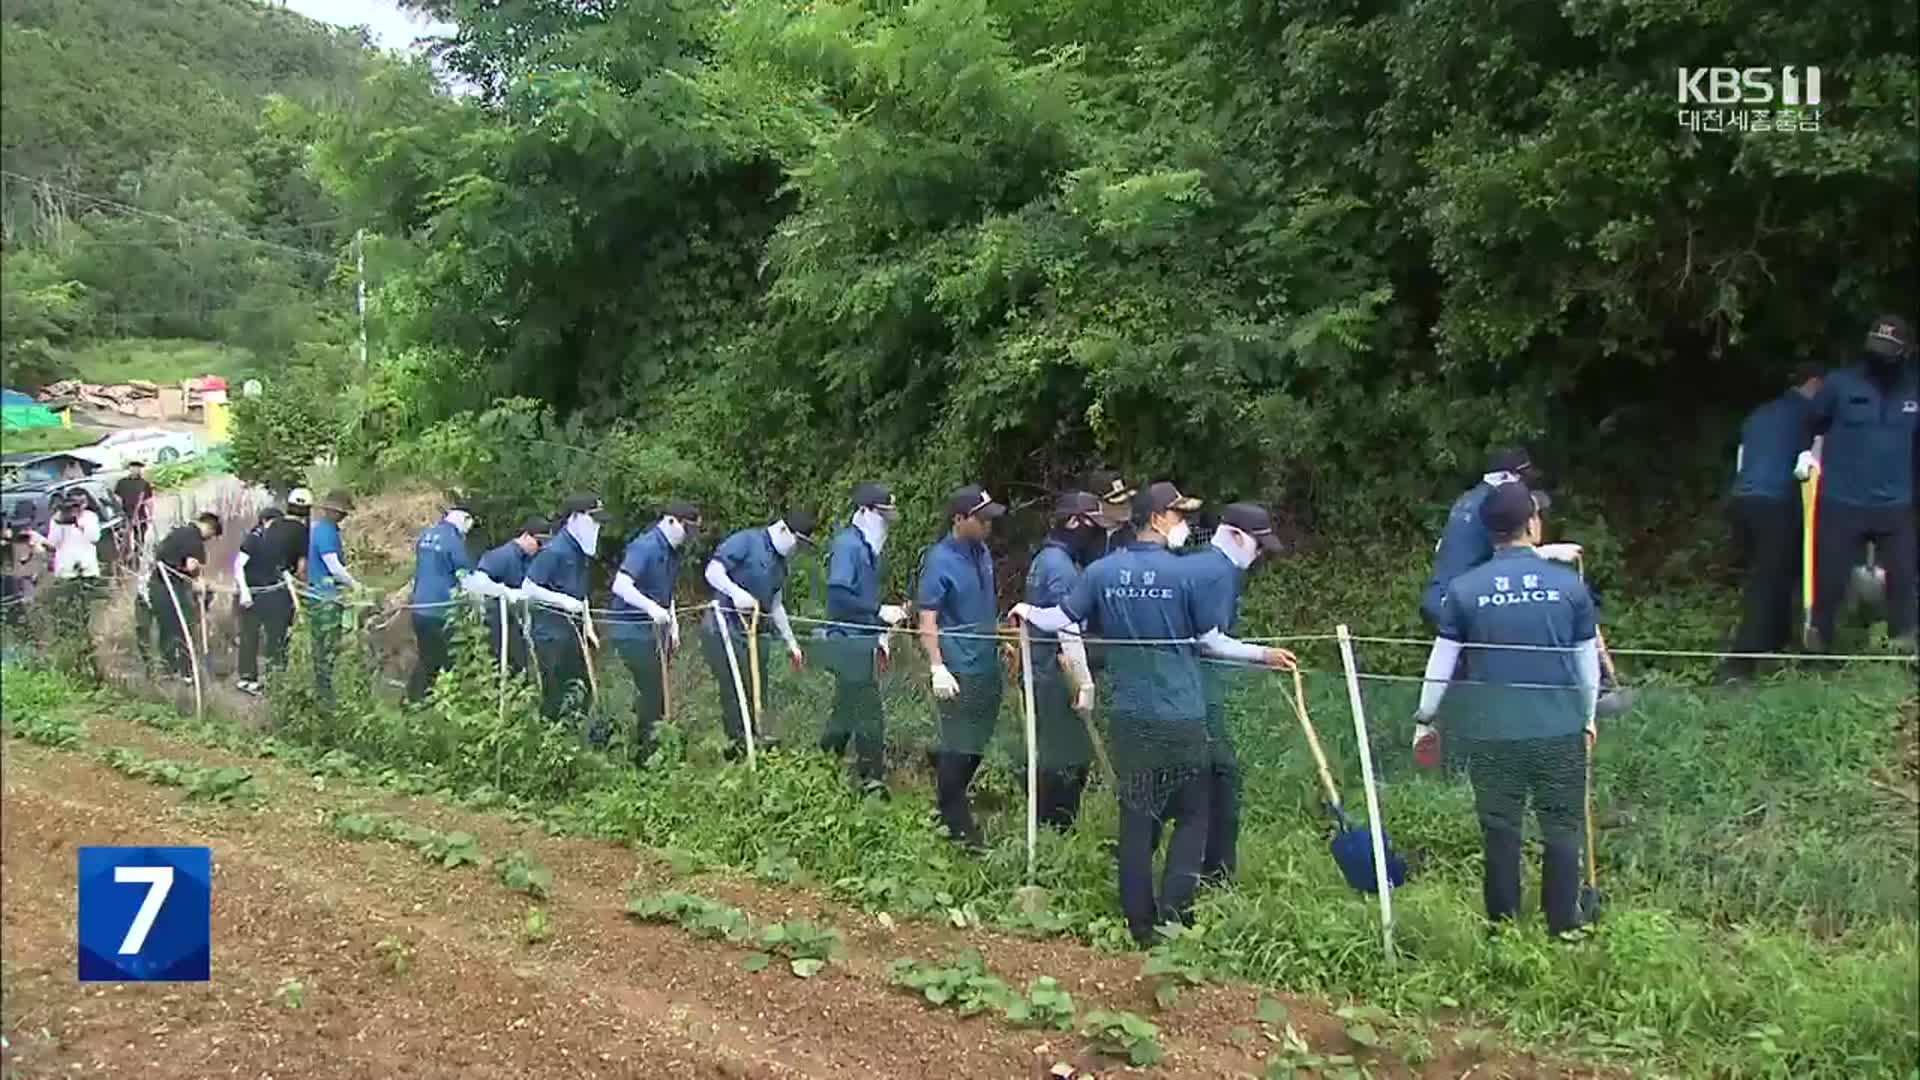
1033	750
1373	795
360	289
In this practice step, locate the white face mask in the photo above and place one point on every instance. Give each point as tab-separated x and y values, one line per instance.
673	530
1177	536
783	539
1236	545
460	520
585	531
872	525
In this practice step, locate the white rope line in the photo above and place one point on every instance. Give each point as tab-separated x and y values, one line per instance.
1695	654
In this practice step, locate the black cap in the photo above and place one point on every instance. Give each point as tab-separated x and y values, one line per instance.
1252	519
460	504
973	501
802	523
1508	509
1109	487
583	504
1509	460
136	464
213	519
1161	496
270	513
1075	504
1890	335
871	496
682	511
535	526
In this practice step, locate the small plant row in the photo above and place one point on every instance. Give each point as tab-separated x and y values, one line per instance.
807	946
518	871
226	784
963	983
55	729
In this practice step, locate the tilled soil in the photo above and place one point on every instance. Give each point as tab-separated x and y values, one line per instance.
306	925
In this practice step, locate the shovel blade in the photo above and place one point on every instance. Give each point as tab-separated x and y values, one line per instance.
1352	851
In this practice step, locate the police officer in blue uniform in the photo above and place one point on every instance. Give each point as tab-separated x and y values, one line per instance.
1063	748
958	620
556	590
1219	572
1869	414
747	574
502	572
1767	515
641	622
854	641
440	560
1116	513
1144	596
1526	724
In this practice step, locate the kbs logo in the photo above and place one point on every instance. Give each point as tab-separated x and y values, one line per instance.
1749	86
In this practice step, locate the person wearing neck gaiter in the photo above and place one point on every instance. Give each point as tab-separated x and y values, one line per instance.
641	621
556	590
747	574
1064	750
854	641
1219	572
440	560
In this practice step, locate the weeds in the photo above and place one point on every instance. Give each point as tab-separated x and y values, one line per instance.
1124	1035
521	873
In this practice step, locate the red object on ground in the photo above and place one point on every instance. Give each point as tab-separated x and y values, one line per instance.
1426	751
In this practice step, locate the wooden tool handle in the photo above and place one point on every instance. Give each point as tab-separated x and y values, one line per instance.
1313	738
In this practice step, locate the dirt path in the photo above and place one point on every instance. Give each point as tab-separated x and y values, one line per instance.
604	996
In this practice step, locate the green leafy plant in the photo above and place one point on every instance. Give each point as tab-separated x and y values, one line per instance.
1044	1005
1295	1057
962	982
293	993
807	946
696	914
1180	959
521	873
394	954
536	928
1122	1034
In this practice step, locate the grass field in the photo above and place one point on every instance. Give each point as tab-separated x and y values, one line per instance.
157	360
1759	861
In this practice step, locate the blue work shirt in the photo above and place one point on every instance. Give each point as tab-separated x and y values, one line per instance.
1771	441
560	567
439	558
853	585
653	563
1216	585
956	584
1050	580
323	539
1464	544
1143	593
1867	459
751	562
1519	598
506	564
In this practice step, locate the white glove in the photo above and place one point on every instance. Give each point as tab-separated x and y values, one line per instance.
1083	701
885	644
1565	553
661	616
945	686
745	603
1803	467
246	595
673	632
1021	612
892	614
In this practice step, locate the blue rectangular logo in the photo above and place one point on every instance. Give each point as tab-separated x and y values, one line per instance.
146	914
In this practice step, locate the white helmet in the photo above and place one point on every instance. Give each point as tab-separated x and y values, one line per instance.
300	497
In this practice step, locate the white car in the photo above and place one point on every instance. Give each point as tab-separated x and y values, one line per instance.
154	446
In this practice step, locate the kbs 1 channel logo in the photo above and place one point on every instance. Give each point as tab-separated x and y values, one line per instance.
146	914
1789	98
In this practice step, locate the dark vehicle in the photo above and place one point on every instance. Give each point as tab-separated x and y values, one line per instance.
30	505
40	467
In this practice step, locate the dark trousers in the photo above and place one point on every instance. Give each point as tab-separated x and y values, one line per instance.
516	639
643	657
1841	534
1059	796
857	717
433	655
1223	822
1147	801
563	678
323	623
952	772
163	591
1767	532
265	625
1551	775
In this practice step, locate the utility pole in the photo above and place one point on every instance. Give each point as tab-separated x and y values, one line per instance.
360	289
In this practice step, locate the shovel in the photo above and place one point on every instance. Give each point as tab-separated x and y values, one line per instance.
1352	848
1591	901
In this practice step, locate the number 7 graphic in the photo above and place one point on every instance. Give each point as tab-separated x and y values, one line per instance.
159	882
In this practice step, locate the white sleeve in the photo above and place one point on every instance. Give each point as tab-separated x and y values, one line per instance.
1075	652
476	583
540	594
337	568
1740	458
625	589
92	527
1049	619
1440	666
240	575
1221	647
782	623
717	577
1586	660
